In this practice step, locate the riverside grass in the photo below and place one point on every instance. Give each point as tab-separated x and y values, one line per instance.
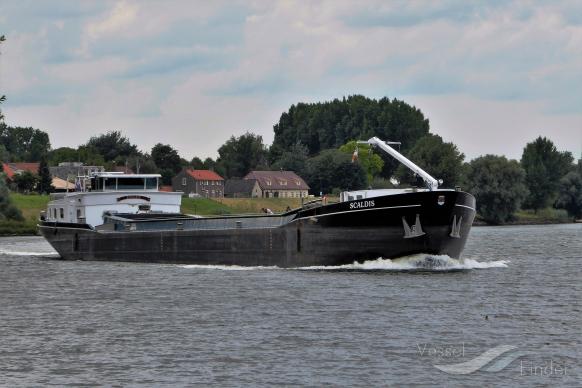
32	204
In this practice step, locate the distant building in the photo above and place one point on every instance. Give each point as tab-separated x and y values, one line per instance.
242	188
11	169
71	170
204	183
280	184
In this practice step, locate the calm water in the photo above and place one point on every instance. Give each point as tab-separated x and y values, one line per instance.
378	324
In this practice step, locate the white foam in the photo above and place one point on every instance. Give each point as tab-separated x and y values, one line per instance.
407	263
415	262
21	253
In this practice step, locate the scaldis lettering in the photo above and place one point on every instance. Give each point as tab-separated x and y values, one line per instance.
361	204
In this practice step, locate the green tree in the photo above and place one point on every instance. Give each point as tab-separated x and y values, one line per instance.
166	158
45	182
113	146
292	160
63	154
197	164
24	144
441	160
544	166
498	185
570	192
26	181
90	156
240	155
7	209
331	124
372	163
142	164
333	170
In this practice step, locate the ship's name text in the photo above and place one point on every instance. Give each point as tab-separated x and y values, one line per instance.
361	205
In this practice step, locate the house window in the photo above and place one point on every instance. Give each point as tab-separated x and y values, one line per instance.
283	182
298	183
268	181
183	181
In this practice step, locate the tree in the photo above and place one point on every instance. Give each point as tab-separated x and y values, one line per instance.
331	124
7	209
197	164
570	192
498	185
45	182
26	181
238	156
372	163
166	158
544	166
441	160
142	164
333	170
24	144
63	154
90	156
292	160
113	146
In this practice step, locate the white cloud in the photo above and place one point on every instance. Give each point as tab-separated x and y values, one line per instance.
192	74
121	17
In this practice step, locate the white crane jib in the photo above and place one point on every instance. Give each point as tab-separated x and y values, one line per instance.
432	183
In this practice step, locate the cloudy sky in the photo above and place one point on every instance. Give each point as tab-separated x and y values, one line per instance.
490	75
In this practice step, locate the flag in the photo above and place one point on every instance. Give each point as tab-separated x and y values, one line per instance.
355	155
78	185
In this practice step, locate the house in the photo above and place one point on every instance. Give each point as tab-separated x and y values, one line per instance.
71	170
204	183
280	184
11	169
242	188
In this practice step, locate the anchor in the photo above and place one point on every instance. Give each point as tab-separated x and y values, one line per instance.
456	227
415	230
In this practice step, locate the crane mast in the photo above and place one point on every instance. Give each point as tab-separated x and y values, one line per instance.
431	182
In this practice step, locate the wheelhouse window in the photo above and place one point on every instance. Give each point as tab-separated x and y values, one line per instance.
62	213
130	183
151	183
110	184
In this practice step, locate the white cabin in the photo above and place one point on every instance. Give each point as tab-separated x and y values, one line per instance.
115	193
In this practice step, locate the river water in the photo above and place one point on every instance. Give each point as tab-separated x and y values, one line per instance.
510	315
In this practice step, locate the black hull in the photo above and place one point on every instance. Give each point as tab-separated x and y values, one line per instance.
329	235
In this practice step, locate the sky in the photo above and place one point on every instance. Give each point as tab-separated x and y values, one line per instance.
489	75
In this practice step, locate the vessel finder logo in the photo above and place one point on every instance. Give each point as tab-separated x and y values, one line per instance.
480	362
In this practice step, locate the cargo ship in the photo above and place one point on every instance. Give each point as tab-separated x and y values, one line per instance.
124	217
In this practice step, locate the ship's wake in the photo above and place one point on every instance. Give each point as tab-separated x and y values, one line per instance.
6	252
418	262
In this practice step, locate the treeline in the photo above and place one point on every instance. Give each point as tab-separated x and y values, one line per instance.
317	141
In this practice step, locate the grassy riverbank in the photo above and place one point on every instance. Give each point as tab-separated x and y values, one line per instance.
32	205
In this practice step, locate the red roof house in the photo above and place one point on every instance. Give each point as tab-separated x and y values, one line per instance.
11	169
202	183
